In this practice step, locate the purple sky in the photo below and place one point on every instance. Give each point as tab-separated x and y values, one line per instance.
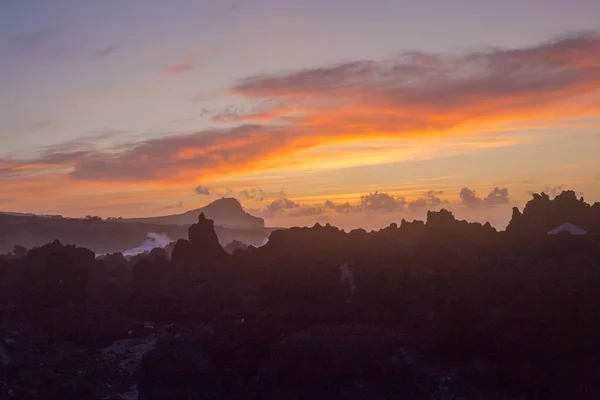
114	73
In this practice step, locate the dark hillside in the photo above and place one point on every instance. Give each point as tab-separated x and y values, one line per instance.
102	236
440	309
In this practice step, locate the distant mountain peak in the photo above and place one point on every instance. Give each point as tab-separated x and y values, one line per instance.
227	212
230	202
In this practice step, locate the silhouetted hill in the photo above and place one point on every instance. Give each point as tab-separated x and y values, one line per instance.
226	212
103	236
442	309
542	214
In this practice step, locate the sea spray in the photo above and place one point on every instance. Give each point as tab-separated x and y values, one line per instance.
155	240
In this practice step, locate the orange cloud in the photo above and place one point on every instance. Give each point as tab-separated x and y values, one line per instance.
424	92
417	95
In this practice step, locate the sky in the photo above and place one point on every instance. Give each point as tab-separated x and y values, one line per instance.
357	113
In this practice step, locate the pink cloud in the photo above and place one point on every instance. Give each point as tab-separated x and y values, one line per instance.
414	96
177	69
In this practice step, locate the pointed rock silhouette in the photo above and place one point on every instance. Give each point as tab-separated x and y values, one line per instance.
203	243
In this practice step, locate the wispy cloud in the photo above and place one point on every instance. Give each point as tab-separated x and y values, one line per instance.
428	200
253	194
260	194
282	204
311	211
106	51
265	111
496	197
422	93
201	190
386	203
341	208
173	206
381	202
550	191
553	191
179	68
36	125
417	96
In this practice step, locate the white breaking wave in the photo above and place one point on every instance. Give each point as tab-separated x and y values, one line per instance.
155	240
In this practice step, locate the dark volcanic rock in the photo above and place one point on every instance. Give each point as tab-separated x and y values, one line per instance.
342	361
234	246
314	314
443	222
202	234
542	214
203	244
178	369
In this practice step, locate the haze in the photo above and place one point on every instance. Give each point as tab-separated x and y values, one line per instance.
352	112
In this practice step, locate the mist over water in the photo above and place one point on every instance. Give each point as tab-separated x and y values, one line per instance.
154	240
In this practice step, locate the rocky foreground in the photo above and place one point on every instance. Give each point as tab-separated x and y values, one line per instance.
442	309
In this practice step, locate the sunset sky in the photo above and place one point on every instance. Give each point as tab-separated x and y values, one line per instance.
357	113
